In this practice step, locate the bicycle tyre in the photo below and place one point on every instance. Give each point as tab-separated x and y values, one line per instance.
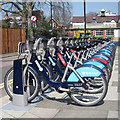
10	94
85	102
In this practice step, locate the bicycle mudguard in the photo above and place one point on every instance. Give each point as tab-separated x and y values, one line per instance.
112	43
106	50
100	59
98	64
85	71
102	56
110	48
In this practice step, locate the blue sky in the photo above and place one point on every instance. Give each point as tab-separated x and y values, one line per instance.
90	7
93	7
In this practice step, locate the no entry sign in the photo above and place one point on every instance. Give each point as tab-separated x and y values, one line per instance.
33	18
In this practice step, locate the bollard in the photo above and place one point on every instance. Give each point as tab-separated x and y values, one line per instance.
19	91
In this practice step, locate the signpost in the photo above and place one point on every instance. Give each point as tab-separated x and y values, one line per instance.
33	18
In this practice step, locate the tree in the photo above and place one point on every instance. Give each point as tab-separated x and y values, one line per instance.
62	12
22	8
92	14
42	28
6	23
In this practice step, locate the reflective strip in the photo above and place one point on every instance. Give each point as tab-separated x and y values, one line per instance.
68	55
61	58
53	63
37	63
100	60
73	54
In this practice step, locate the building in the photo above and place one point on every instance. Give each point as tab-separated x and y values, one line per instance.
106	13
106	24
55	24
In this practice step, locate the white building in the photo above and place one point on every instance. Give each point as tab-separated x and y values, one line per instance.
106	13
106	24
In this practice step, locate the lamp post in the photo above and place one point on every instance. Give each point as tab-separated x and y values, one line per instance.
51	14
84	19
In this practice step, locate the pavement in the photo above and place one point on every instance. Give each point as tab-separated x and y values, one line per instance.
8	55
55	105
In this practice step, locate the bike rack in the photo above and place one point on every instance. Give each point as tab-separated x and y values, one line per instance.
19	89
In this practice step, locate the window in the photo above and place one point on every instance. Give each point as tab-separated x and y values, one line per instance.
94	20
109	32
99	32
54	25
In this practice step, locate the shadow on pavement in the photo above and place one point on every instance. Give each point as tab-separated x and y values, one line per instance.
68	100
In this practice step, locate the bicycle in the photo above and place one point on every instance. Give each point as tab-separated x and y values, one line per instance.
75	87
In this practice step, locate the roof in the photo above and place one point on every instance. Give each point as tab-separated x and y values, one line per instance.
89	19
53	19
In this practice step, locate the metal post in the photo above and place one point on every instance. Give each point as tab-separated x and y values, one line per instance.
84	19
51	15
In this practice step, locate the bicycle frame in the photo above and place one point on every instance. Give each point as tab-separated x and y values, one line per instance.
52	83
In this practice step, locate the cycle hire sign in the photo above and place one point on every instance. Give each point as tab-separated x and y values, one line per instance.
33	18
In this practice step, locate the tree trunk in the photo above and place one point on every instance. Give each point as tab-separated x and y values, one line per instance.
30	30
24	15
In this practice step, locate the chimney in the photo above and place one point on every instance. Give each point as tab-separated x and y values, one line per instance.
6	15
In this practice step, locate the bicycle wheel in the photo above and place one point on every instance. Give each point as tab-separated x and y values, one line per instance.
44	85
32	85
87	98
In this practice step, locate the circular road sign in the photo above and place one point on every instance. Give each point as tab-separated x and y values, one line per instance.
33	18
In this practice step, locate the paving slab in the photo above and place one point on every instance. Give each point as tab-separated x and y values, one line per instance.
52	103
10	106
81	114
113	114
112	93
28	115
67	103
115	83
14	113
4	100
6	115
44	112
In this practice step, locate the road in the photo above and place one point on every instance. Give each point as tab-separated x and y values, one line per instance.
6	63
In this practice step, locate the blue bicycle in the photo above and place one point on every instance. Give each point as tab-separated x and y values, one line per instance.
73	82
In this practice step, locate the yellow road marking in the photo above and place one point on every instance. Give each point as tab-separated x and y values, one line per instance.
2	84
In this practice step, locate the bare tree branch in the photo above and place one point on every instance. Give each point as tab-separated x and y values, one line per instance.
13	3
16	12
19	2
33	5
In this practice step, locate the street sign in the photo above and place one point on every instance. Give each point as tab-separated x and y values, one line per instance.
33	18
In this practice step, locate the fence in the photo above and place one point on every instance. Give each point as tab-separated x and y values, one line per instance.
10	39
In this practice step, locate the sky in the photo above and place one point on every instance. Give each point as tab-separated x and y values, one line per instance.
94	6
78	7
